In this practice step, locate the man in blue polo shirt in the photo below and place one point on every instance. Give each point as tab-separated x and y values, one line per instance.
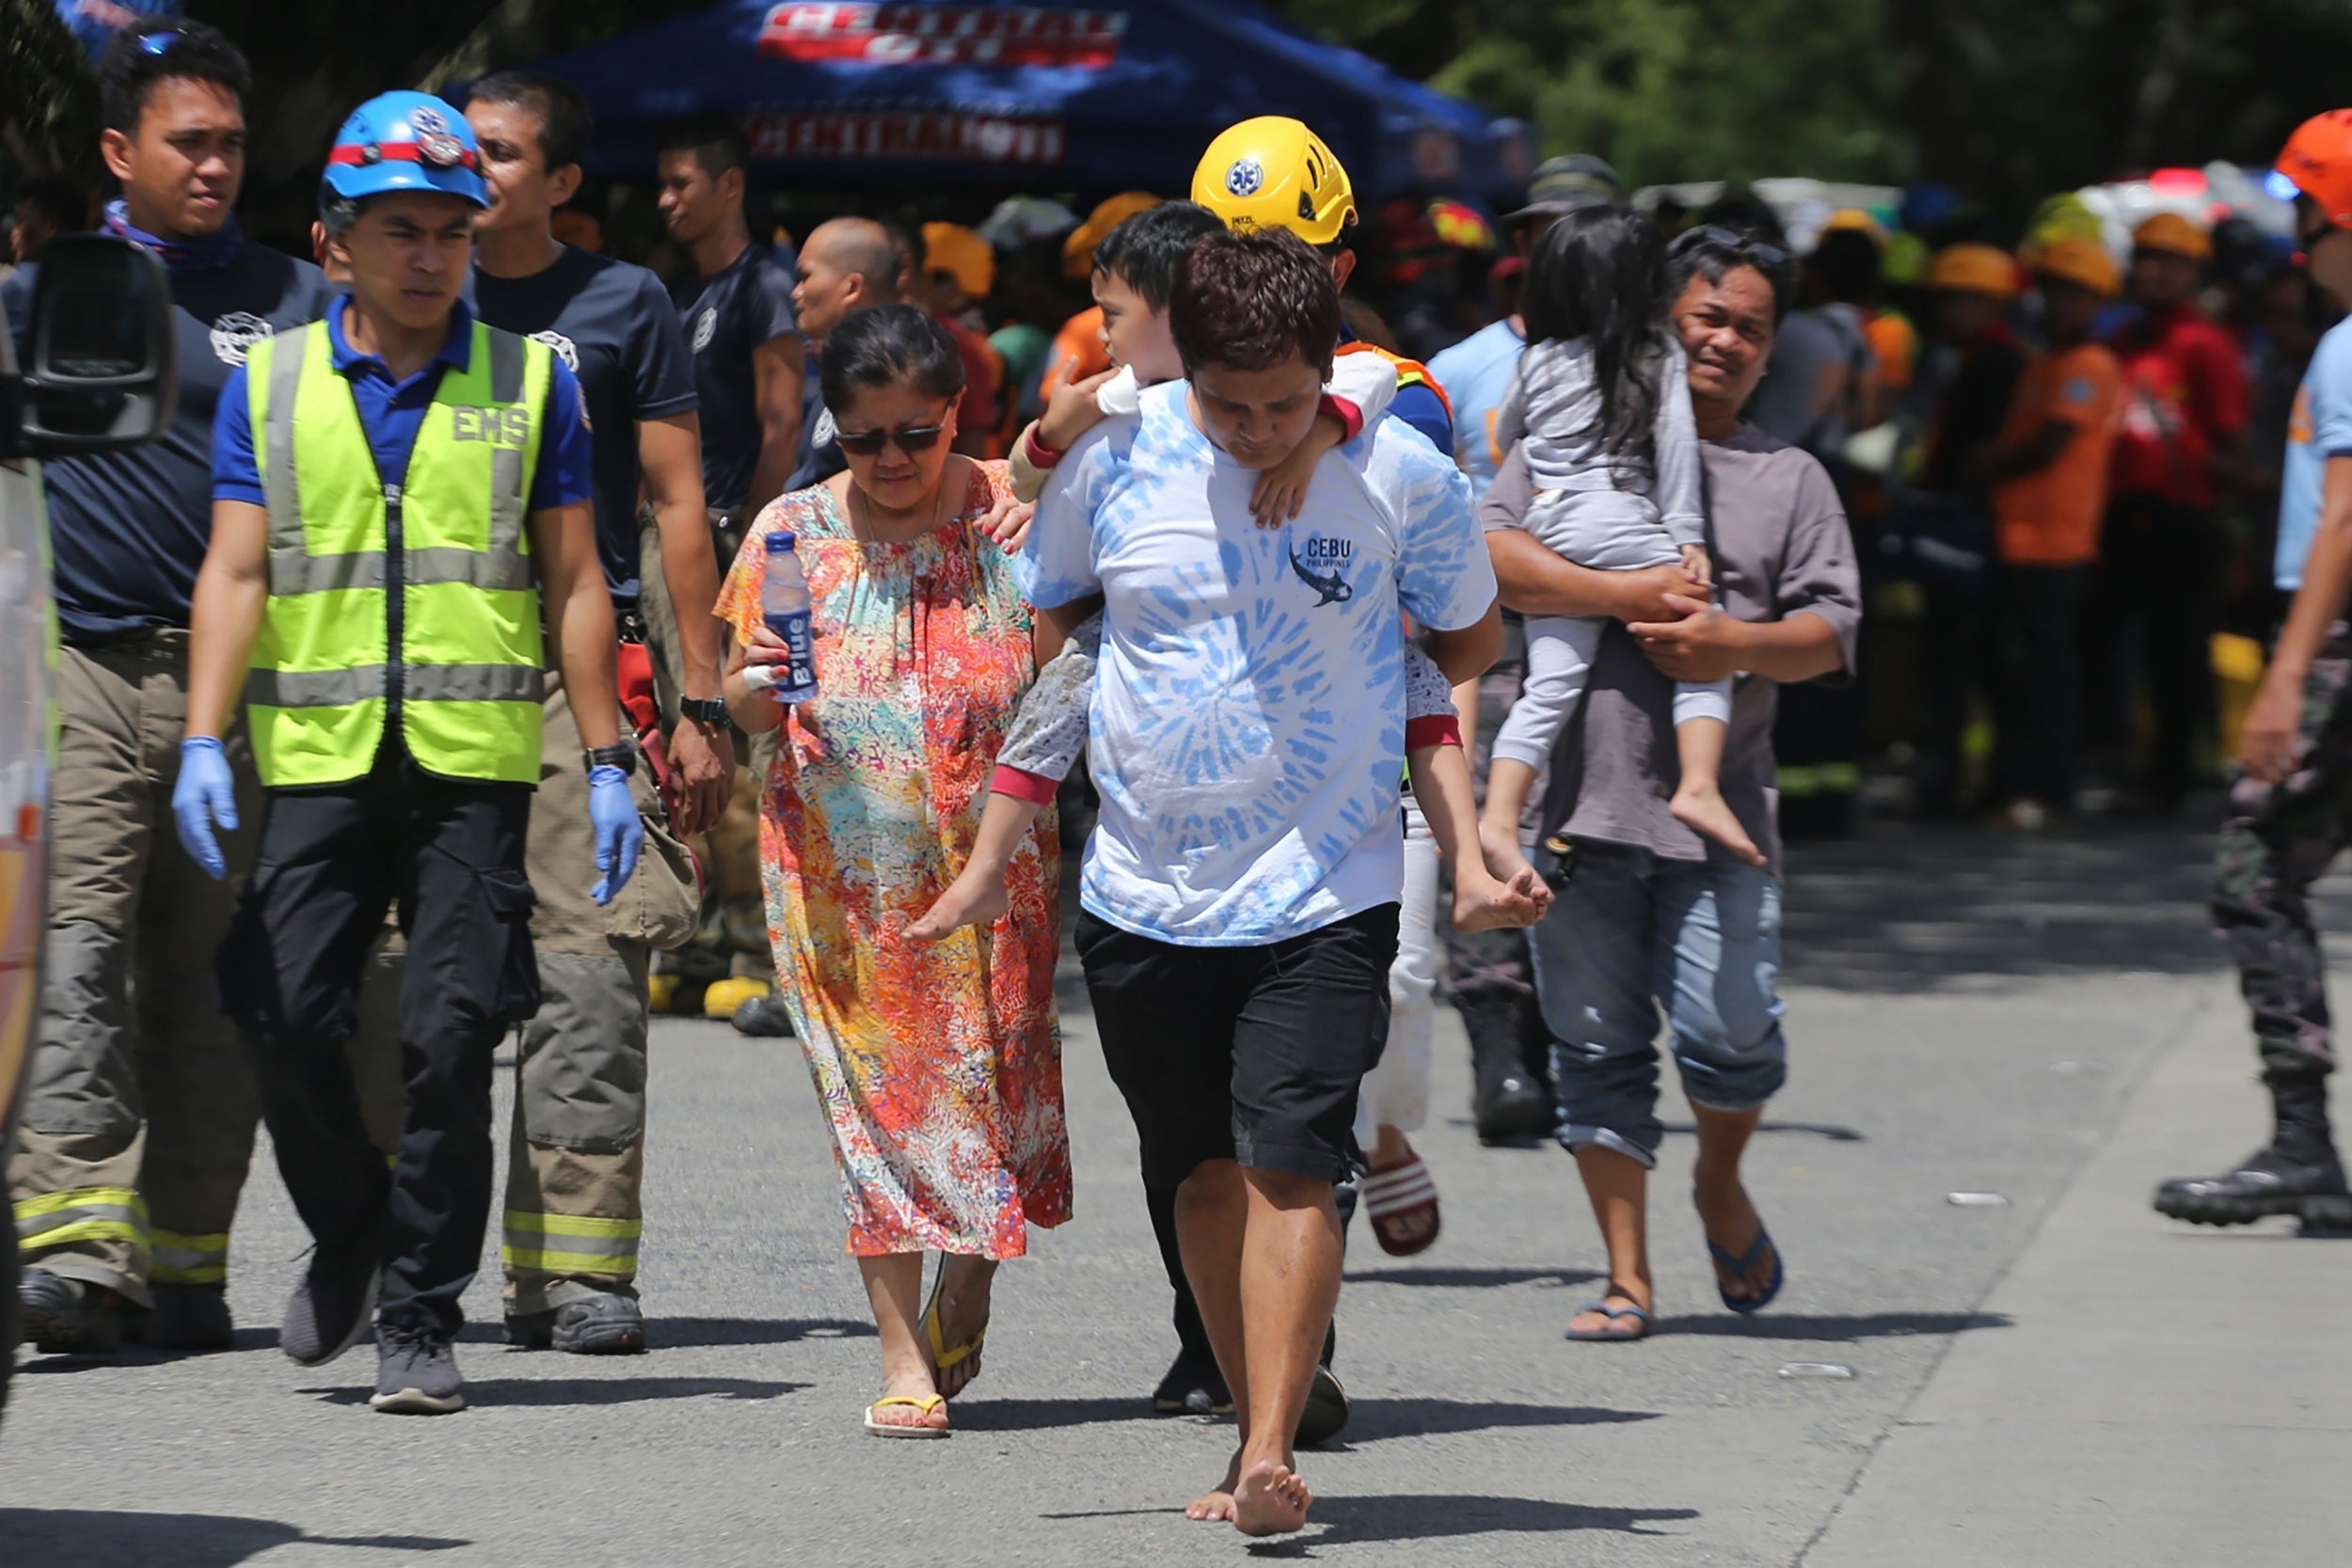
116	1226
401	502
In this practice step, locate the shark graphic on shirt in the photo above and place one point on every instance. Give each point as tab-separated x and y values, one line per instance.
1335	589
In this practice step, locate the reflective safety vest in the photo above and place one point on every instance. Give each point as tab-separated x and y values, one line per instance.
414	598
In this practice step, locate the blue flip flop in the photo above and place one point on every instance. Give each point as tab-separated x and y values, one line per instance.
1739	1266
1597	1336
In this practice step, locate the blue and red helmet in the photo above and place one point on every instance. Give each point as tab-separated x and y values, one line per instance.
405	141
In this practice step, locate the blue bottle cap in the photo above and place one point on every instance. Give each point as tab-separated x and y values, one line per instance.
779	540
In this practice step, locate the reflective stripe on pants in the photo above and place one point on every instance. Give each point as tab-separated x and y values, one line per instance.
180	1260
567	1244
86	1215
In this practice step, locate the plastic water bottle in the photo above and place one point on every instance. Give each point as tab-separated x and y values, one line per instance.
783	603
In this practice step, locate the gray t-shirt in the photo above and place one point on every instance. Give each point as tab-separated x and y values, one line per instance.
1781	548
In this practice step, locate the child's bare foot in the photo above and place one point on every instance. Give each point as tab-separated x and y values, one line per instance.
1482	902
974	898
1705	811
1499	847
1270	1501
1216	1506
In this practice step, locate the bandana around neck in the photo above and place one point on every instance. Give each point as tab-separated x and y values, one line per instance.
208	254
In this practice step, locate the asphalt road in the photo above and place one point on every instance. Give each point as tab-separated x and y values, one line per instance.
2050	1380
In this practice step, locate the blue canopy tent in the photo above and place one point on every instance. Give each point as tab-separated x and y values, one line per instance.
1042	95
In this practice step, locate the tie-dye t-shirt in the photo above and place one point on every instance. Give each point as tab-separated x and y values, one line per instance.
1248	732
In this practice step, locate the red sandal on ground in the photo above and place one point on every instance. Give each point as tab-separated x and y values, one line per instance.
1402	1201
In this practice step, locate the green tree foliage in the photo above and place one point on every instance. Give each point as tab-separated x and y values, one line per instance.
2006	99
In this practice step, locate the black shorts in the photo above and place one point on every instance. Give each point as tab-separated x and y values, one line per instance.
1247	1053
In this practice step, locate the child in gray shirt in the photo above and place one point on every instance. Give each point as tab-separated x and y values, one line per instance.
1602	401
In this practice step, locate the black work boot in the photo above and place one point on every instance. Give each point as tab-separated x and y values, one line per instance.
2297	1173
69	1317
602	1324
1507	1101
190	1316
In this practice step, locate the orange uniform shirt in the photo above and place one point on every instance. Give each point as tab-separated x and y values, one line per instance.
1896	342
1078	352
2051	517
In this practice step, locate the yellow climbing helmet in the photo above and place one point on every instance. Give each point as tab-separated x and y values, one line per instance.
1274	173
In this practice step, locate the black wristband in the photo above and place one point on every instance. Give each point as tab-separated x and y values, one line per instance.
622	755
704	710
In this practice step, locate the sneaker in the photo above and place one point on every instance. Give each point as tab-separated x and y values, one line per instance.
190	1316
1193	1387
1327	1411
763	1015
70	1317
601	1325
416	1372
330	1309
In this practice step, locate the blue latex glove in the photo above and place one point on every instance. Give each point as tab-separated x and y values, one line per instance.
619	835
204	796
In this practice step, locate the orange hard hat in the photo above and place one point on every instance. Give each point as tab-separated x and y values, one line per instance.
1977	269
2080	260
1078	251
2318	158
2174	235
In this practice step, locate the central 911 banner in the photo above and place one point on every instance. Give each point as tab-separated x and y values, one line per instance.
943	35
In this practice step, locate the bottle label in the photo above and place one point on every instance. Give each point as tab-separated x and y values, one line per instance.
796	679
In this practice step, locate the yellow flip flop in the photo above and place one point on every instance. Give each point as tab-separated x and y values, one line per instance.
943	1357
922	1407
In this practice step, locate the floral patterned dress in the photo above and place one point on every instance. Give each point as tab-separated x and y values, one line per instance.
939	1067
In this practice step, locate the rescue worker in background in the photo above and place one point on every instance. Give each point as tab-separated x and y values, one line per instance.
955	271
575	1166
736	309
2162	554
388	484
2288	814
735	306
139	1108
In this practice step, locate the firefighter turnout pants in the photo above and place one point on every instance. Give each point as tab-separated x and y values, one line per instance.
139	1108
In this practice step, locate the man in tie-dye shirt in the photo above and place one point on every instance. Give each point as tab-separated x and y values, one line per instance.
1241	887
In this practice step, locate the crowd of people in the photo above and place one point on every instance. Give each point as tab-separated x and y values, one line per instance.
403	685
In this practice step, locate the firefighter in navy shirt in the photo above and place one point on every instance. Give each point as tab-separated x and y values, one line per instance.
112	1223
573	1212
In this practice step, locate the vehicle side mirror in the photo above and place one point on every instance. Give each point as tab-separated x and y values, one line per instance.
100	373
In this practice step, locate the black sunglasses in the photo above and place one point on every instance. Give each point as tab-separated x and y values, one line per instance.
1746	245
868	443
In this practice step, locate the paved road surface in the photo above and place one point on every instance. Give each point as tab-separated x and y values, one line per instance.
2062	1380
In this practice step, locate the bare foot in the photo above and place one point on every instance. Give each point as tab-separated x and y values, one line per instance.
913	1387
974	898
1705	811
1216	1506
1728	1220
1271	1499
1597	1322
1499	847
1481	903
963	1298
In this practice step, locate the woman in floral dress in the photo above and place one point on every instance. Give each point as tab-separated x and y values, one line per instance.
939	1066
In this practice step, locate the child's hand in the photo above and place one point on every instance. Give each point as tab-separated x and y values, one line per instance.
1694	561
1282	489
1070	412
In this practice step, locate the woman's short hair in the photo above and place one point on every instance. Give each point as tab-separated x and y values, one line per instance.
890	345
1248	302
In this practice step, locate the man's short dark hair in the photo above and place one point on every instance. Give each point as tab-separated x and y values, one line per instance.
1712	252
565	123
1248	302
716	140
1143	251
158	51
64	203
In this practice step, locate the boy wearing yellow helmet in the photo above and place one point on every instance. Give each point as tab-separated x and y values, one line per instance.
1273	172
